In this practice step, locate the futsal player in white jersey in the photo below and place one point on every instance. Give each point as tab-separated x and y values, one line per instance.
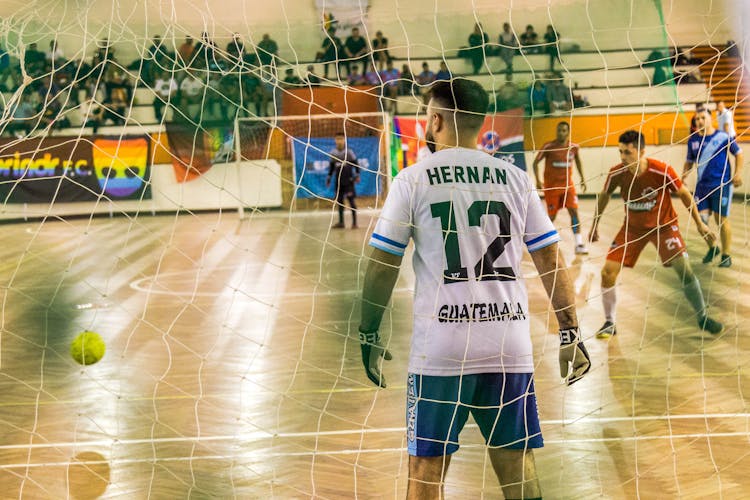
470	216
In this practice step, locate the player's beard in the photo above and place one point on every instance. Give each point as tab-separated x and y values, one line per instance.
429	140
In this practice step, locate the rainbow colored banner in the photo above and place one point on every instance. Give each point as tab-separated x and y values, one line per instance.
63	170
501	136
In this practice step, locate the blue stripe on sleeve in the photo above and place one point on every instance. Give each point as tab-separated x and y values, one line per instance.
388	240
386	248
540	238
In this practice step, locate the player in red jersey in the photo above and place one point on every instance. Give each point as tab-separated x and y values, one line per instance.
559	190
645	185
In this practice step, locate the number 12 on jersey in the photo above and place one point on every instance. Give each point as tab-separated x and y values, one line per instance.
484	270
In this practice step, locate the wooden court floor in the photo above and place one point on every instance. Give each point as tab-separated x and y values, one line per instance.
232	370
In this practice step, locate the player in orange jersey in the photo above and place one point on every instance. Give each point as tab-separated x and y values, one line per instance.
645	185
558	187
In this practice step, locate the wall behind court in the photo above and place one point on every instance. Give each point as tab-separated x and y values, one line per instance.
416	28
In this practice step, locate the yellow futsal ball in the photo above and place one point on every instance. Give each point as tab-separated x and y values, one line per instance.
87	348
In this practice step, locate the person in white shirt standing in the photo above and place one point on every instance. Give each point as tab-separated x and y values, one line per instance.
725	119
470	216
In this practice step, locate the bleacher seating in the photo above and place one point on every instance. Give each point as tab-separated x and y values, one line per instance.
612	82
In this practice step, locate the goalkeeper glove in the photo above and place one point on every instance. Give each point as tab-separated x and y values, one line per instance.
373	354
574	359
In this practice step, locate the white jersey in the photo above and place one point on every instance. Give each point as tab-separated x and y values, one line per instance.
470	216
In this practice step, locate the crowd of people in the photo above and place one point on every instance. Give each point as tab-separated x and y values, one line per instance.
197	81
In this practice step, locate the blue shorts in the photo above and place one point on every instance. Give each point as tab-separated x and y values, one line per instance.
502	404
717	199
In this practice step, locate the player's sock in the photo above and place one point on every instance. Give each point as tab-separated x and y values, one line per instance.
341	215
579	238
694	295
609	301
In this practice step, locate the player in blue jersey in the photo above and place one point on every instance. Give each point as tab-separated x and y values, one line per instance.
707	148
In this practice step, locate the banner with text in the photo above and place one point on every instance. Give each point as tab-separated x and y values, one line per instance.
311	159
66	169
501	136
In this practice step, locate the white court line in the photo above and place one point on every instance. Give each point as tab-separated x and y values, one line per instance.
380	430
360	451
145	285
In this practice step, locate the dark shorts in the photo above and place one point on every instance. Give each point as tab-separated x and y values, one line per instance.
502	404
717	199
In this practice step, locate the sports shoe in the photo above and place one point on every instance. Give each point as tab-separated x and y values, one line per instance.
606	331
713	252
339	225
355	226
581	249
726	261
710	325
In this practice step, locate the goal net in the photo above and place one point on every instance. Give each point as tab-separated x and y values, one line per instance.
132	133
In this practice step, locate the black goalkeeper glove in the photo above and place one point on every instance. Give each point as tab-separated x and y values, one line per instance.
373	354
574	359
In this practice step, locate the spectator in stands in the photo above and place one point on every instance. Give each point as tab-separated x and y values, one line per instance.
205	53
5	71
212	102
530	41
24	116
424	80
268	51
235	53
699	108
538	98
92	114
158	59
312	79
229	97
191	94
508	96
478	41
559	95
186	51
355	50
119	93
390	77
165	89
355	77
406	84
330	52
552	45
725	119
51	101
257	94
55	57
661	65
380	55
443	73
373	77
290	79
731	49
34	61
508	47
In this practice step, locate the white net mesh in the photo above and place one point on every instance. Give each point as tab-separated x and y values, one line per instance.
232	367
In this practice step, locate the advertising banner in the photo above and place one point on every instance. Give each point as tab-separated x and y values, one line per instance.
72	169
311	161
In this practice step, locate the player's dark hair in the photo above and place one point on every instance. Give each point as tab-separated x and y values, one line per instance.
633	137
465	96
339	134
563	123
